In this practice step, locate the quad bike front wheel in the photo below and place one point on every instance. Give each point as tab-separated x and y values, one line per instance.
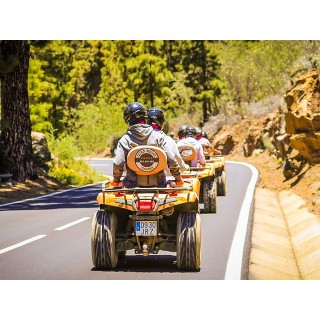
103	244
189	241
210	196
221	183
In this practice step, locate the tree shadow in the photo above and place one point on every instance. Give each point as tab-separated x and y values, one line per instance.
150	264
85	197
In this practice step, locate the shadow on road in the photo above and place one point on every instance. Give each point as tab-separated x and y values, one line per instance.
81	198
152	263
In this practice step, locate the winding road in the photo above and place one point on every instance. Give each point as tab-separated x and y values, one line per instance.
49	237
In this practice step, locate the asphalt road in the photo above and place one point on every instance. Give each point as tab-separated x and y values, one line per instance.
49	237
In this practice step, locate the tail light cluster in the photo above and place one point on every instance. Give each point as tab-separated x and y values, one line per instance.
145	205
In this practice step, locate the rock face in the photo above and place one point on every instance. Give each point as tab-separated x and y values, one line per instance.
40	148
303	117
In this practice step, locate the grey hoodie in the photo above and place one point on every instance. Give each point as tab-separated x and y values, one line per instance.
142	134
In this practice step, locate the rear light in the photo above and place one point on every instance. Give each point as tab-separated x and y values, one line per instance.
145	205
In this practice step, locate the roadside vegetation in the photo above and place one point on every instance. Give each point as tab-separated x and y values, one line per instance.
64	166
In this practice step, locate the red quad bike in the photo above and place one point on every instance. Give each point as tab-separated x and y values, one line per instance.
147	218
207	175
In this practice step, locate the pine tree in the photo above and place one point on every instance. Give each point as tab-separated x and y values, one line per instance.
16	154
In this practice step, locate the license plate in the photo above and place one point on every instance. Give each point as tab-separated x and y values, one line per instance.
146	228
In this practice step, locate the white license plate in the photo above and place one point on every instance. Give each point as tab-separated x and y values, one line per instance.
146	228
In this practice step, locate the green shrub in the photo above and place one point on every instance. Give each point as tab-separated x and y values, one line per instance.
75	173
65	168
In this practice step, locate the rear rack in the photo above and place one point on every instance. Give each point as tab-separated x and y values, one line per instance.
198	168
145	190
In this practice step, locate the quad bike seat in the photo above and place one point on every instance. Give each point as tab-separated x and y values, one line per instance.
147	162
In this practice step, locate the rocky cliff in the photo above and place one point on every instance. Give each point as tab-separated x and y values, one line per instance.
303	116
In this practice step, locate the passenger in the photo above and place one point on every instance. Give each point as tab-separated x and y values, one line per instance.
140	133
198	133
156	119
190	133
208	149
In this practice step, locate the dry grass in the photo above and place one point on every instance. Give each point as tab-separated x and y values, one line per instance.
30	189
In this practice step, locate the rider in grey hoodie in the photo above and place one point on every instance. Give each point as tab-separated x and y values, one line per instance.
140	133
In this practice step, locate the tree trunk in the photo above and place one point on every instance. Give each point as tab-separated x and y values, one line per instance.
16	154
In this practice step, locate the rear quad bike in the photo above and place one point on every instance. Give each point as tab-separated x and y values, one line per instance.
147	218
206	175
218	163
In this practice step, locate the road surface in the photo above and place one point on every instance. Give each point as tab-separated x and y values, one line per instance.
49	237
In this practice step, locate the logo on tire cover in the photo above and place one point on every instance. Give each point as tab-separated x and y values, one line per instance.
146	160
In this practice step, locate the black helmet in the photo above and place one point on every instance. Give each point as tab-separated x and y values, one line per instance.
191	131
204	134
133	113
198	131
155	115
182	131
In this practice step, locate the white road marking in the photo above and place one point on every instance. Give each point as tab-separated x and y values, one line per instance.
71	224
20	244
236	255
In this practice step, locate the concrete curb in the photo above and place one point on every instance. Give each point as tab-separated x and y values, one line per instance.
285	238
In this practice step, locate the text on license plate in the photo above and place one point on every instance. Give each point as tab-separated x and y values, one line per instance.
146	228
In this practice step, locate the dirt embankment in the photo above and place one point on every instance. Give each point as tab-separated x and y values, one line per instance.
306	183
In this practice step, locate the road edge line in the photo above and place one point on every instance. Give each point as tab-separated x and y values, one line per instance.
238	257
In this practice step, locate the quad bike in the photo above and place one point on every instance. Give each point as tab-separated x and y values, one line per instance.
206	175
218	162
147	218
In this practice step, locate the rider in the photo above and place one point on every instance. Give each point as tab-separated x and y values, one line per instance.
190	133
140	133
182	132
156	120
208	149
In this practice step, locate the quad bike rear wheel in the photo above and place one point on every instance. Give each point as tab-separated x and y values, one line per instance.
189	241
103	244
210	196
122	254
221	183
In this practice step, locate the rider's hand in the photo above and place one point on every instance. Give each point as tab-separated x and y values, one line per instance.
116	184
172	184
179	183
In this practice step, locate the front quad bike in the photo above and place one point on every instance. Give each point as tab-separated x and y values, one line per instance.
147	218
206	175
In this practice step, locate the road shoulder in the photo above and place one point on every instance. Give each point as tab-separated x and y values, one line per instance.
285	238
